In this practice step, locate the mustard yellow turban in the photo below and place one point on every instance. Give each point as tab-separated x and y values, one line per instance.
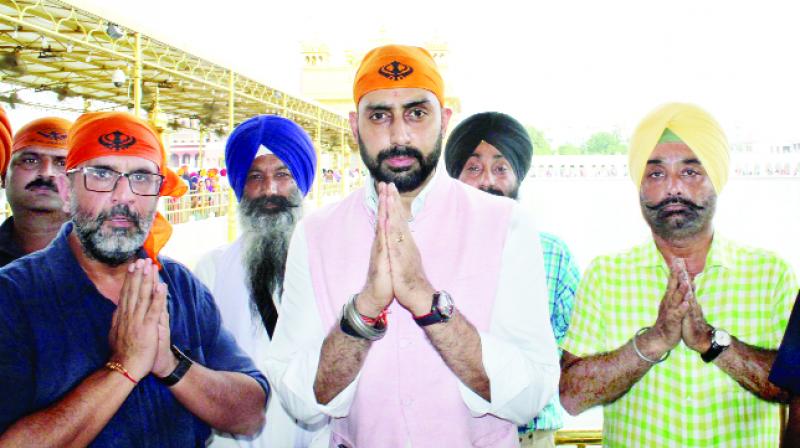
693	126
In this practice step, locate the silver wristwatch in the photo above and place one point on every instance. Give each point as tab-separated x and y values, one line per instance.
720	340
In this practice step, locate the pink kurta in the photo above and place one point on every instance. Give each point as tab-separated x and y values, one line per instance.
406	393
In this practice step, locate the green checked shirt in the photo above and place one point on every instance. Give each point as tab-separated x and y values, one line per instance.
562	276
684	402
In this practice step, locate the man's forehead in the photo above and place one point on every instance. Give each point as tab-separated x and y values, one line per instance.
671	152
487	150
396	97
42	151
267	161
122	163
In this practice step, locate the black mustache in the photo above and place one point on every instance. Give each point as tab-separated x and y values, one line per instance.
280	202
674	200
400	151
493	191
42	182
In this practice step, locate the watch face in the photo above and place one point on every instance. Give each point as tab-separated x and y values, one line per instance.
445	304
722	338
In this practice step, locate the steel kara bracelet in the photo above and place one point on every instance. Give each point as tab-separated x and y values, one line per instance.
639	352
353	324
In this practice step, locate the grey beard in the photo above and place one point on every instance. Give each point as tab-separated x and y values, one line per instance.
113	247
266	235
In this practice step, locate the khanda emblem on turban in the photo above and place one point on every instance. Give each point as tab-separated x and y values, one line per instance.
395	70
117	140
52	134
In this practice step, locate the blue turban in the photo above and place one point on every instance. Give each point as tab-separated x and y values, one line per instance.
281	136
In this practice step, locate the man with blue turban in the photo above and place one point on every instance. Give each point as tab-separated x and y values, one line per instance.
271	163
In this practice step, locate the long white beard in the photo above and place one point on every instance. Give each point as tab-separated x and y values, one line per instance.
266	238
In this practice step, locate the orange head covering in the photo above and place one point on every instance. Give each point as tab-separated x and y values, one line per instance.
49	132
99	134
5	142
398	66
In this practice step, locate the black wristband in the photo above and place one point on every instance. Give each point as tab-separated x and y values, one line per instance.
712	353
348	330
183	366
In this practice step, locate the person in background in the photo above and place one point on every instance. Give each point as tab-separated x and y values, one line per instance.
492	152
37	156
271	163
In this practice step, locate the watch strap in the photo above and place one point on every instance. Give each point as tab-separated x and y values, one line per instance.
183	366
435	316
713	351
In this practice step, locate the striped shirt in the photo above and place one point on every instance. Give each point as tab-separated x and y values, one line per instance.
684	401
562	277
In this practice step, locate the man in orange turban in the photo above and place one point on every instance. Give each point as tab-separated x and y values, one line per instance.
467	352
102	355
128	137
36	159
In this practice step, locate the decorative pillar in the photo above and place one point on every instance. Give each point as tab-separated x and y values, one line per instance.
137	74
232	230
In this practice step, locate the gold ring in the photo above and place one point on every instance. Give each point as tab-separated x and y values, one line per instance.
400	238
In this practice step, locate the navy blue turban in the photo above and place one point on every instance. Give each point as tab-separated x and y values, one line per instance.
281	136
497	129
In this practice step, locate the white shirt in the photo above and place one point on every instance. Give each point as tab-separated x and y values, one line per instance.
222	271
519	350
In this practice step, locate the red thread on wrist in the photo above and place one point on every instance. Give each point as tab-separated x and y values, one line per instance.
117	367
381	318
423	316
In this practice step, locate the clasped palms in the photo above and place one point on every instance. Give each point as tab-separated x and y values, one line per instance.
680	316
395	267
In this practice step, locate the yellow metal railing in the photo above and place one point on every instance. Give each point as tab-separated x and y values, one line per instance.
68	49
5	211
579	437
196	206
331	189
355	182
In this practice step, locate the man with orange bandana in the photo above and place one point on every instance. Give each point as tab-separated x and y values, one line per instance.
5	144
414	312
5	151
102	341
675	337
38	156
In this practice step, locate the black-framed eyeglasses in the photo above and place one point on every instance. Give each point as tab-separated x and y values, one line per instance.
104	180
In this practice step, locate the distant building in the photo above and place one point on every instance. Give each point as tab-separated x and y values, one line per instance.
767	147
185	148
